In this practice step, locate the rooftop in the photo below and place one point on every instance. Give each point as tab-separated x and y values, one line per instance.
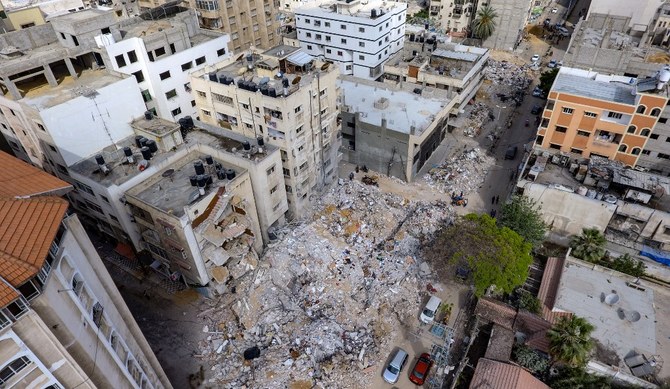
622	312
19	179
353	10
499	375
120	171
588	87
27	229
405	110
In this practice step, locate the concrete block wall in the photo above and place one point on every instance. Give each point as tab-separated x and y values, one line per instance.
29	38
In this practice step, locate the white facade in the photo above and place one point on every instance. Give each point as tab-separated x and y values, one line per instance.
359	36
641	12
176	67
292	5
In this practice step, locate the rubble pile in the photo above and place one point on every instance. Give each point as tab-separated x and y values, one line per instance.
328	298
462	173
508	80
480	114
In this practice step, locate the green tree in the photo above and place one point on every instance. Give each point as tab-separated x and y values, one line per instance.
570	340
522	215
628	265
530	359
526	300
485	23
547	80
495	255
578	378
589	246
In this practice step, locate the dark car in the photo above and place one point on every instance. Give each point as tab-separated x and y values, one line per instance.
536	109
421	369
511	152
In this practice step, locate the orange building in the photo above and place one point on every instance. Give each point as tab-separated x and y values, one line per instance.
609	116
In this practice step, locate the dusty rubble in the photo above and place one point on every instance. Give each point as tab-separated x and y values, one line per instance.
480	114
464	172
327	297
508	81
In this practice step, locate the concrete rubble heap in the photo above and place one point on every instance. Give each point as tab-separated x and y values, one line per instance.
462	173
507	79
479	115
327	298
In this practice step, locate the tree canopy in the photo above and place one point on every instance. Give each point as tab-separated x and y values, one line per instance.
485	23
628	265
547	80
578	378
495	255
522	215
570	340
589	246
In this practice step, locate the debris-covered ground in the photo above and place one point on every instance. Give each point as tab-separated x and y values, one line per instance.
327	297
464	172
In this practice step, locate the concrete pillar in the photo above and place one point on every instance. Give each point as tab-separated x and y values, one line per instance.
70	68
11	87
50	75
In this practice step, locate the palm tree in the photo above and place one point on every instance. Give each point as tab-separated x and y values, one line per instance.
578	378
589	246
485	23
570	340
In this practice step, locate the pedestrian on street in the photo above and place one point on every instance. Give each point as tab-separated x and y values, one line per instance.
497	199
493	200
351	176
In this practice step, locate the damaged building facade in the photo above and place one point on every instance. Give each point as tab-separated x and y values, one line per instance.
288	99
193	205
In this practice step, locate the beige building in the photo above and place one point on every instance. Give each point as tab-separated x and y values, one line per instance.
288	99
63	323
248	22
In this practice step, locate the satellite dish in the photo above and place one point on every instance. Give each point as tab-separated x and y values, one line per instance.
325	66
143	165
296	80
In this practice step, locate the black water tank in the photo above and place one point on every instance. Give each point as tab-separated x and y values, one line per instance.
143	142
247	145
137	140
253	87
221	174
222	80
201	180
260	141
239	83
151	144
208	178
264	90
230	174
284	82
148	115
212	76
194	180
99	159
218	166
209	159
146	153
199	167
272	92
411	37
373	13
127	151
189	122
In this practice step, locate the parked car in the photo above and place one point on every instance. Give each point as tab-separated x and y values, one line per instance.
511	152
536	109
554	10
535	58
537	92
563	31
559	64
421	369
393	369
428	313
552	64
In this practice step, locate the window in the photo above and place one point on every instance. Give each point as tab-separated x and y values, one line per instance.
96	314
160	51
327	38
328	51
576	151
635	151
62	169
550	105
614	115
590	114
554	146
201	94
561	129
640	109
94	207
343	26
270	170
4	321
41	127
317	23
307	21
568	110
631	129
224	99
645	132
298	109
361	57
308	34
309	47
289	189
192	103
132	56
343	41
176	111
199	61
655	112
85	188
206	112
327	24
146	96
318	36
74	39
583	133
274	189
645	152
221	52
663	120
186	66
13	368
53	148
663	156
287	172
339	53
151	56
298	130
361	29
623	148
105	199
361	44
139	76
120	61
322	92
165	75
653	136
171	94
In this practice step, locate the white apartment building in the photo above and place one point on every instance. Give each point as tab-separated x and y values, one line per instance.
359	36
286	98
63	322
161	54
291	5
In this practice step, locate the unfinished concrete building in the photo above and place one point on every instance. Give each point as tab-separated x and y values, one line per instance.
63	322
146	192
286	98
248	22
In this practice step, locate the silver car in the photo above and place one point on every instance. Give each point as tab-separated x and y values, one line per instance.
393	369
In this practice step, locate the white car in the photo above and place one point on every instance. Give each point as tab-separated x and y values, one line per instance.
535	58
554	10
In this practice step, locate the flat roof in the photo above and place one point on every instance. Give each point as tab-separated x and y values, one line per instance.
458	55
355	10
623	316
156	126
587	87
79	16
405	110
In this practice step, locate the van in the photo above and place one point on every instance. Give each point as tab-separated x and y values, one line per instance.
429	311
393	369
511	152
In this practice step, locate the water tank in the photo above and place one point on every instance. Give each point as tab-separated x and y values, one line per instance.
230	174
189	122
143	142
208	179
218	166
221	174
199	167
252	86
264	90
146	153
182	124
99	159
212	76
148	115
260	141
411	37
137	140
239	83
151	144
284	82
373	13
223	79
209	159
421	39
250	58
201	180
194	180
247	145
127	151
272	92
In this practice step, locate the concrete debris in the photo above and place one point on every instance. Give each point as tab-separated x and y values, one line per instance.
328	296
462	173
480	114
508	81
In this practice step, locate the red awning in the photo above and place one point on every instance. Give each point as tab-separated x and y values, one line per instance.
125	250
